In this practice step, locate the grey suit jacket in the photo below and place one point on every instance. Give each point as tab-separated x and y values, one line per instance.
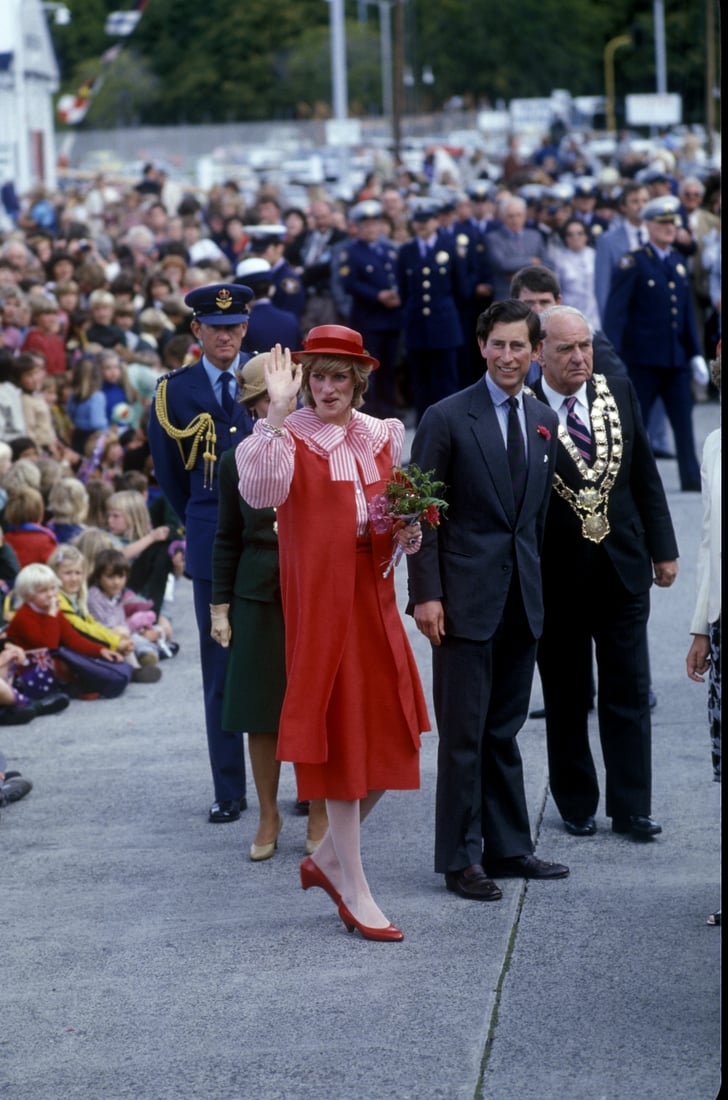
504	256
469	560
611	247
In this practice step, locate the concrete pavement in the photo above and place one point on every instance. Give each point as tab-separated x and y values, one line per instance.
146	957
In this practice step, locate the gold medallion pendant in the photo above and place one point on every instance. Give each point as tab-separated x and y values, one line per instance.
595	527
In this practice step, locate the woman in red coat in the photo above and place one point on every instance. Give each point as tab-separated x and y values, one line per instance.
354	708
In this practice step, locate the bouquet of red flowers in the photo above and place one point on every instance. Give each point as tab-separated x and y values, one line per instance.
410	496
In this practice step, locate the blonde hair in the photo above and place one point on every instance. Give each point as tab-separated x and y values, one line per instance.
25	505
86	379
131	504
331	364
68	554
31	578
68	501
91	541
100	297
23	472
98	492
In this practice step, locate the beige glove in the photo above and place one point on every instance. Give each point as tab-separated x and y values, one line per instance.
220	624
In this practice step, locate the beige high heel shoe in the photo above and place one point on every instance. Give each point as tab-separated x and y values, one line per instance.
259	852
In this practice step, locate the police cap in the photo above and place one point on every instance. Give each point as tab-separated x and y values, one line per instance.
252	271
665	208
261	236
219	304
423	210
482	191
368	209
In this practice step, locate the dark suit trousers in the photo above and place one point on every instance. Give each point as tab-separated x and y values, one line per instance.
227	754
481	692
600	608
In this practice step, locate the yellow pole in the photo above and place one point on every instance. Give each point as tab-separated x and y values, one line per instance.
609	51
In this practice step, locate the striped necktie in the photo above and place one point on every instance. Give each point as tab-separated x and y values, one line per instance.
577	430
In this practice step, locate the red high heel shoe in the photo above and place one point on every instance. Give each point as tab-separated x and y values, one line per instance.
390	934
312	875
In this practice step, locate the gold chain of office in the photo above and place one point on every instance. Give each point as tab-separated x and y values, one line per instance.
591	502
200	430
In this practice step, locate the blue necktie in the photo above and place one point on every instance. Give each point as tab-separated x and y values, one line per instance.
226	398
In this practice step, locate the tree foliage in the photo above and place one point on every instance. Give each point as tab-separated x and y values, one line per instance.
224	60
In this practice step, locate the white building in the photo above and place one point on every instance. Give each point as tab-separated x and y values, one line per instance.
28	80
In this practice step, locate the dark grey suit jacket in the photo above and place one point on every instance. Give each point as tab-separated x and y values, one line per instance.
469	560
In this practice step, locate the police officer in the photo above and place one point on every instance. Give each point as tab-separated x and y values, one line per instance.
368	271
266	242
584	203
649	319
268	325
193	419
431	279
469	238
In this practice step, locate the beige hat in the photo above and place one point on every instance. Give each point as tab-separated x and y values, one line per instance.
251	379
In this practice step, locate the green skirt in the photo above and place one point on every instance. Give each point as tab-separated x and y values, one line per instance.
256	675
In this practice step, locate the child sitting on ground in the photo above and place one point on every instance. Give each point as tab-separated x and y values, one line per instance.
116	606
71	567
82	665
149	552
68	506
24	529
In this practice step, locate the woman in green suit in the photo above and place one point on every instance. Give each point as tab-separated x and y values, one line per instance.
246	615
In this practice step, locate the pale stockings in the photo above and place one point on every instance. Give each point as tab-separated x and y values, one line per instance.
339	857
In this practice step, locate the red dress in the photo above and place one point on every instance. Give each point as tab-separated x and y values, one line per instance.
354	706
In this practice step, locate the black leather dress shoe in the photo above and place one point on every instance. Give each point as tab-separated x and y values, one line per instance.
525	867
473	883
223	812
641	827
580	826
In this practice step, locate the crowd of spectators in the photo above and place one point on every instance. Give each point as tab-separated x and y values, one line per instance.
92	312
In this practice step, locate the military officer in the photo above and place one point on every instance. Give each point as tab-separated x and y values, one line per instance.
193	419
584	204
431	279
649	319
268	325
368	272
266	242
470	233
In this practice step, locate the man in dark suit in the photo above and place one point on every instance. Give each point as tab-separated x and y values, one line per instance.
194	419
475	592
608	537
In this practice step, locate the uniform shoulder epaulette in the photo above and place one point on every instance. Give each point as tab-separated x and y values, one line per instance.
174	373
626	261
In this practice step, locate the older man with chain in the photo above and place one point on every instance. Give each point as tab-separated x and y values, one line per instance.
608	538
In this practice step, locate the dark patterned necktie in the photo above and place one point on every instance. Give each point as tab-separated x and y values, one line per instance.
516	449
579	433
227	401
